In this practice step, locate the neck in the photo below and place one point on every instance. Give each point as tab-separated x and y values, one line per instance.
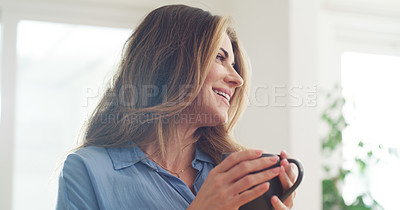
179	152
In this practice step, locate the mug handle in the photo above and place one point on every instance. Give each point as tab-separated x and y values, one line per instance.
300	169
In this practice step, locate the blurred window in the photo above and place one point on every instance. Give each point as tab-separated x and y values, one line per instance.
62	72
371	88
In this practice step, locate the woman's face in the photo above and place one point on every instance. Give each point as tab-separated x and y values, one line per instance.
212	104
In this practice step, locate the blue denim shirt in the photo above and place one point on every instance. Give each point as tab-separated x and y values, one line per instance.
124	178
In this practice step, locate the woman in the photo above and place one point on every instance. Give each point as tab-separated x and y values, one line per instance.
157	135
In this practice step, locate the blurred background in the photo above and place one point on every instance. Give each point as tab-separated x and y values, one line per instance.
325	87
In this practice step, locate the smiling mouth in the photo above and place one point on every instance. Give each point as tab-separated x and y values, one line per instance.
226	96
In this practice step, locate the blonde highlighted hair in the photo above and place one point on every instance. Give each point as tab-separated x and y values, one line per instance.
173	47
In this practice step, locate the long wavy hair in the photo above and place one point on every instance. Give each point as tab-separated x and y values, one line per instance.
173	47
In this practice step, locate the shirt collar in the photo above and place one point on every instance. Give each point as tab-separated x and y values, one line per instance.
202	156
123	157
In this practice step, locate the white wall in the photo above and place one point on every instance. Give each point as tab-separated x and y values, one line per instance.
281	39
304	120
263	28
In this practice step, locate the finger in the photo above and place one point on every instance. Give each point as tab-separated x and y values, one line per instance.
277	204
237	157
289	169
251	180
289	201
284	178
284	155
292	172
252	194
286	184
246	167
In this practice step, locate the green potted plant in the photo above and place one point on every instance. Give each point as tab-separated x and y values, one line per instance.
334	171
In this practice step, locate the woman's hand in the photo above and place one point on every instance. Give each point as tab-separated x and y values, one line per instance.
287	176
228	184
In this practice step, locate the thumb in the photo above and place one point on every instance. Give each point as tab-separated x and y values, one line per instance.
277	204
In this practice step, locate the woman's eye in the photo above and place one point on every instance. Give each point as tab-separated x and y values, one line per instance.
220	58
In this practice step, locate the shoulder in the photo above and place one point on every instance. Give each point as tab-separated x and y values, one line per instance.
76	189
89	158
89	152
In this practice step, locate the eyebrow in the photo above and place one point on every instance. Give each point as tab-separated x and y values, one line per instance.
226	54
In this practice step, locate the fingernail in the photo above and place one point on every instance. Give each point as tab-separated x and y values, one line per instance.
284	162
259	152
266	187
274	158
284	152
274	199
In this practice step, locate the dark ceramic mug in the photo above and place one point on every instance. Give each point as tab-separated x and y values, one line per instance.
275	188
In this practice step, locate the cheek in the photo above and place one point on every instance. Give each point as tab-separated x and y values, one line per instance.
214	79
215	74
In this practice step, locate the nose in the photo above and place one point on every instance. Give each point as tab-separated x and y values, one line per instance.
233	78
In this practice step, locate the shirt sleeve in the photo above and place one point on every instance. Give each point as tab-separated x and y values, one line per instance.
75	189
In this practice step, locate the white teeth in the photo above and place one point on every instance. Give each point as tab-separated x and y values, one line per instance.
223	94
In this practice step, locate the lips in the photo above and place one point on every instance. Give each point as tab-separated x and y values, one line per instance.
223	94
